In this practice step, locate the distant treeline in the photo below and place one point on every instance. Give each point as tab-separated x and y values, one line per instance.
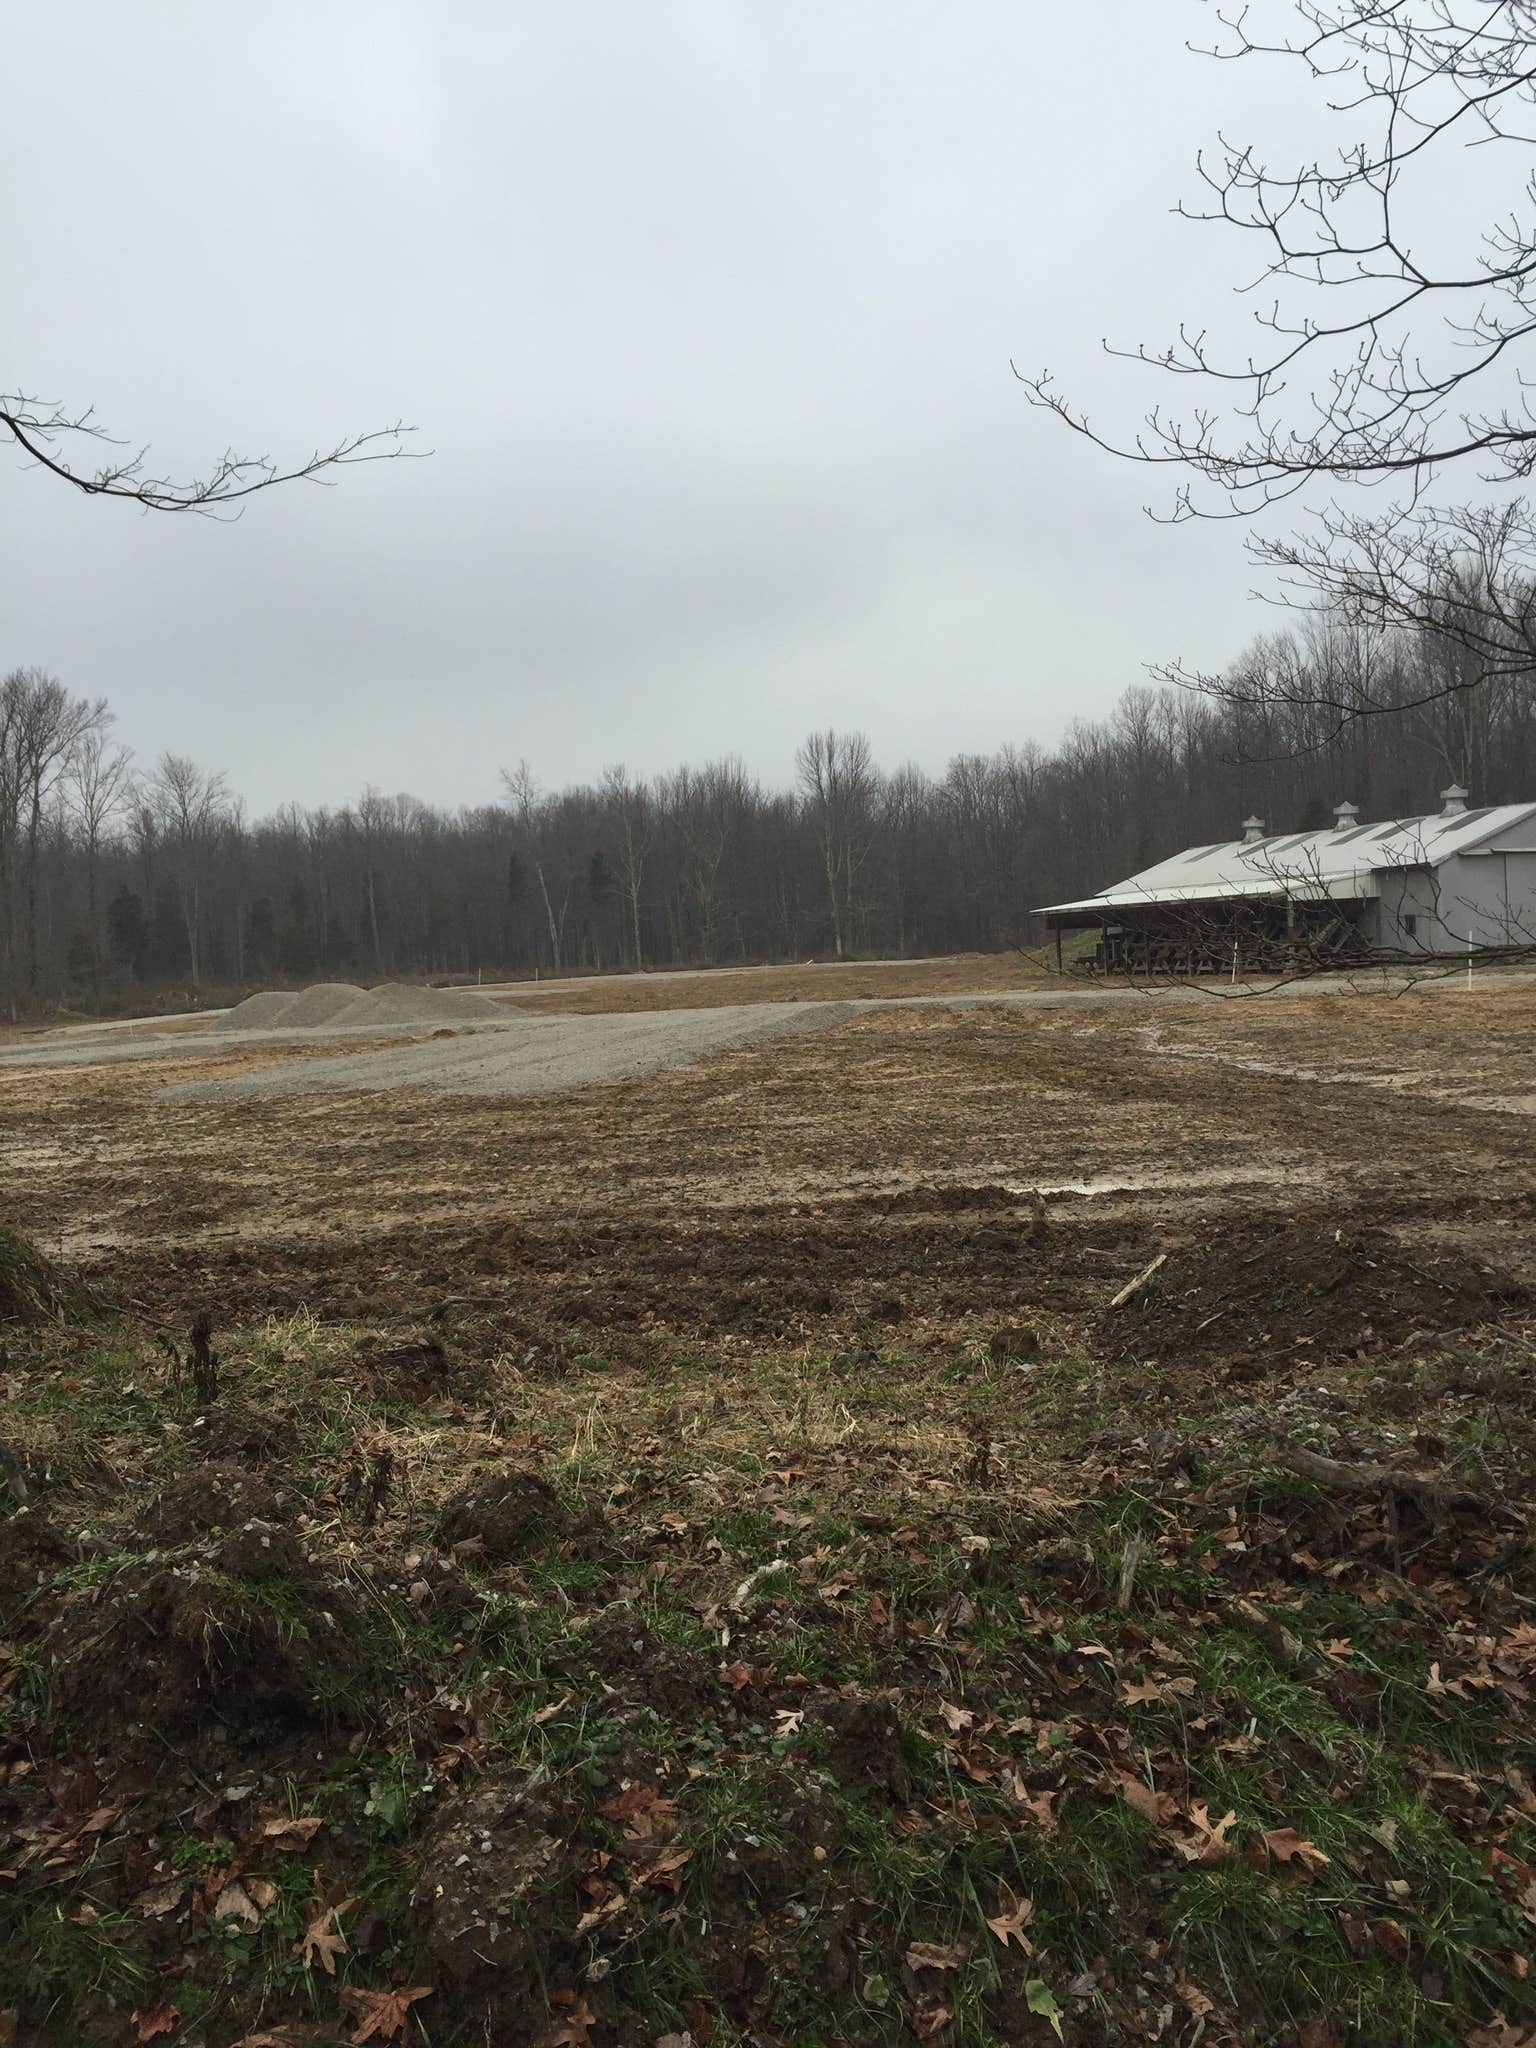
118	885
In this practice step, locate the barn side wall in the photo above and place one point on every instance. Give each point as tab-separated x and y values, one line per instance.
1487	897
1407	913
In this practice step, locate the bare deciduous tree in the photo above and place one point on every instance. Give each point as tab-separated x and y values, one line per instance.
98	785
634	817
523	794
1381	356
837	775
190	807
41	725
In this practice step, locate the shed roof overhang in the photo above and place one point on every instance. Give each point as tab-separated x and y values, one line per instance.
1092	910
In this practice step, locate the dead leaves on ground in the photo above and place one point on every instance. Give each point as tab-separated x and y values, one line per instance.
575	2029
382	2015
322	1940
643	1813
244	1900
1013	1915
1286	1846
151	2021
285	1832
237	1890
933	1955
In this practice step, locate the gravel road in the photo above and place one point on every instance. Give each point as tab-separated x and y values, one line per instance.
545	1052
530	1055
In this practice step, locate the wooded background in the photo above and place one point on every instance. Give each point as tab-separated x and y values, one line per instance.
119	885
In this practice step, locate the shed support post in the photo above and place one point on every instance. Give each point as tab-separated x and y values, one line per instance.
1058	949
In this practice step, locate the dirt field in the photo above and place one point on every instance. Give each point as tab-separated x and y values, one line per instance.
759	1563
1135	1127
814	982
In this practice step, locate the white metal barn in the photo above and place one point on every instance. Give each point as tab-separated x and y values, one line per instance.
1409	887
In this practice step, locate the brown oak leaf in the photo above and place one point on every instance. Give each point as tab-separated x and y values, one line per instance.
664	1871
282	1831
575	2030
1286	1846
1207	1843
1012	1917
383	2015
234	1902
1391	1937
934	1955
1141	1798
322	1940
149	2021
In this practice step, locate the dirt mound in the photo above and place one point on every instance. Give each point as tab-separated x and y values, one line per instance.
638	1668
509	1515
32	1553
1319	1292
493	1903
231	1429
868	1744
399	1003
258	1012
220	1495
32	1289
177	1640
230	1614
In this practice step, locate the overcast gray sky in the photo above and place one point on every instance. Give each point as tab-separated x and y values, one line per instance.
706	309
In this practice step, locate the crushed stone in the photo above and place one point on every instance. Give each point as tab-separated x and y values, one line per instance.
257	1012
398	1003
342	1006
531	1055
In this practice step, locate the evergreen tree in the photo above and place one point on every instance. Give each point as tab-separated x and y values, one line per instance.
127	932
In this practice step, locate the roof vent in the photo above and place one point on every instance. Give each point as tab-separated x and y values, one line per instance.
1454	800
1344	816
1253	831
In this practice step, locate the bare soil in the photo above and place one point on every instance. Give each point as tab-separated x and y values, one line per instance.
811	982
907	1172
882	1171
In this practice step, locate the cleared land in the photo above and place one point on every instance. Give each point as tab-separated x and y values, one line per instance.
815	981
727	1494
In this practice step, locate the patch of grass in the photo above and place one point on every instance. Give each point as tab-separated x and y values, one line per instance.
915	1568
61	1958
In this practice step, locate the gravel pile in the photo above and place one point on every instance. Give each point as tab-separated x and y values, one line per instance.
317	1005
342	1006
398	1003
256	1013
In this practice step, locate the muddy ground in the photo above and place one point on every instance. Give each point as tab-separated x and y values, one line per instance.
883	1170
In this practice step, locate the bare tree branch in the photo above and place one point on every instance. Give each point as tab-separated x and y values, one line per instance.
1375	364
48	433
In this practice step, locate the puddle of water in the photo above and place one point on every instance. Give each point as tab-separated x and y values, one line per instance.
1164	1182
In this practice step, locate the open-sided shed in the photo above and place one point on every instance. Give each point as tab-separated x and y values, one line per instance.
1452	881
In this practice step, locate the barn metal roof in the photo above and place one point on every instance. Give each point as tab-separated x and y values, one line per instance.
1305	865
